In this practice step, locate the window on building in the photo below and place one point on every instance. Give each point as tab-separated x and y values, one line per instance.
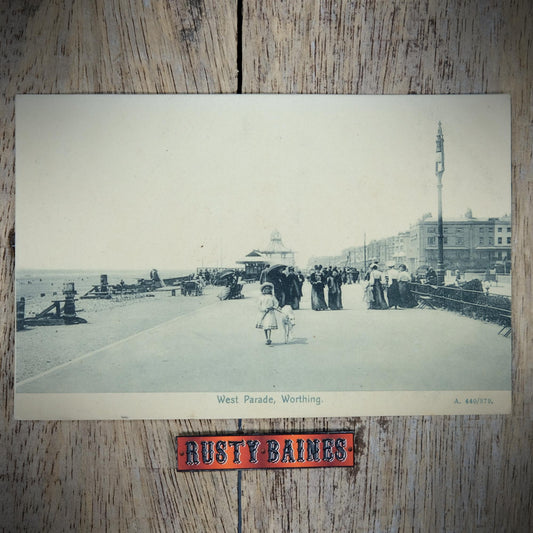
500	230
481	240
460	241
460	230
482	230
431	241
445	240
509	229
499	240
508	240
445	229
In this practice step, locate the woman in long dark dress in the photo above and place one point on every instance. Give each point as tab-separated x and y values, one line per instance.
318	303
393	289
406	296
337	277
301	279
294	290
277	278
376	282
332	290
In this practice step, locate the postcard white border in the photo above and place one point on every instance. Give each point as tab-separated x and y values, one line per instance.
126	406
206	405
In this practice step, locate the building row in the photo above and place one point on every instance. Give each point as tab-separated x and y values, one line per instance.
469	243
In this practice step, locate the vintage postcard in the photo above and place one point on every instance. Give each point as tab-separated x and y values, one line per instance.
245	256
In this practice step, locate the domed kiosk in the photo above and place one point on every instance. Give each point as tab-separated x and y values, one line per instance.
274	253
277	252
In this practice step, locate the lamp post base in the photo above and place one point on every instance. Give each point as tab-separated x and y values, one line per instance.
440	275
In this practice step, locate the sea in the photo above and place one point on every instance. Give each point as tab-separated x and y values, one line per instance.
47	285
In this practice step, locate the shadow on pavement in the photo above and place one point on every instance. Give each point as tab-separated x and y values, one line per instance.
300	340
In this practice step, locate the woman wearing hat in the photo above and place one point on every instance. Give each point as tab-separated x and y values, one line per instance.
376	282
393	289
407	298
266	317
317	280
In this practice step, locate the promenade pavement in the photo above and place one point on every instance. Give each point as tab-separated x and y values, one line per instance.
216	347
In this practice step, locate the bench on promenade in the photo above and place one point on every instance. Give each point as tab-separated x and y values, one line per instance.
507	329
425	302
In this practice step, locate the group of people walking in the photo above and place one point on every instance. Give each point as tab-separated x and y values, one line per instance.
287	285
322	279
282	287
383	289
389	289
281	291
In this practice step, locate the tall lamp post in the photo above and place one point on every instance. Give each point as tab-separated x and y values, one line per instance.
364	256
439	171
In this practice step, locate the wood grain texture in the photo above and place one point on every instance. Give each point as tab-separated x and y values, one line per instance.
97	476
415	473
412	473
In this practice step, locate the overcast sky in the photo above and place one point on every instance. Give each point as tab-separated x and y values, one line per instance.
172	182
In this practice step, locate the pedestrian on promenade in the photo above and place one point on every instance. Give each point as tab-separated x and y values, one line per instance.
344	276
338	281
407	298
266	317
349	276
368	295
373	263
279	281
293	289
301	279
393	289
331	284
263	275
376	282
277	278
318	302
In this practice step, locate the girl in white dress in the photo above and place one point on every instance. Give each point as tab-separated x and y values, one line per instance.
266	317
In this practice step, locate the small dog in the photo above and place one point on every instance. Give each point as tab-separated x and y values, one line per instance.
288	320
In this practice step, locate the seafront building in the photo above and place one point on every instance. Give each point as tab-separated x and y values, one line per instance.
274	253
470	243
254	263
277	252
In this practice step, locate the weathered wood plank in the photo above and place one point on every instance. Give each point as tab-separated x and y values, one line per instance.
57	476
416	473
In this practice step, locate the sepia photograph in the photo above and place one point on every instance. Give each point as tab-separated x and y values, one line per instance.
239	256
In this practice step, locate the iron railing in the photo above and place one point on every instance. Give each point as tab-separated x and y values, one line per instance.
475	303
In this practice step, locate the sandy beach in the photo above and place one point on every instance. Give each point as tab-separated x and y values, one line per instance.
41	348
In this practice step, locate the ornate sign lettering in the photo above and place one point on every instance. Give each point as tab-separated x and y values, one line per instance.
265	451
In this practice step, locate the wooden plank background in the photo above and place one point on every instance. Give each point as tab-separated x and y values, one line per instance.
413	473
